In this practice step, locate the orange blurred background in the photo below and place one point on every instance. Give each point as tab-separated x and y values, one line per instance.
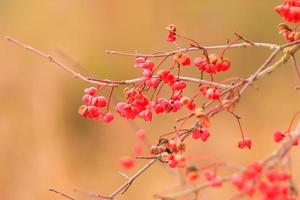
44	143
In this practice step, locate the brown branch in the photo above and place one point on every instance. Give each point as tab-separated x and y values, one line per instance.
289	49
60	193
240	45
105	82
296	67
123	188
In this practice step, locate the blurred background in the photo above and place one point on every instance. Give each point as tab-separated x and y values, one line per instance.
44	143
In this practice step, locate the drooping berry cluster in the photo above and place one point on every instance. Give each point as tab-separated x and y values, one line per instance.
170	151
289	10
268	184
200	133
288	34
182	59
139	105
245	143
212	64
171	33
92	109
210	92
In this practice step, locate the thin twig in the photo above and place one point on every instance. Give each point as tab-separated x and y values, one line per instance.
60	193
240	45
296	67
104	82
131	179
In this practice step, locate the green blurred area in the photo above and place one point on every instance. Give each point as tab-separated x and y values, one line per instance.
44	143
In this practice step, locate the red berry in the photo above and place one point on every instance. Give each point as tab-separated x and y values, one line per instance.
107	117
245	143
99	101
216	182
152	82
87	98
83	110
172	33
126	162
278	136
141	134
289	10
146	115
196	134
248	143
205	135
179	85
171	37
172	163
137	149
91	91
182	59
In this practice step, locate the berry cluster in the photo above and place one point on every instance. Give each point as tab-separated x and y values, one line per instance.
212	64
212	178
245	143
92	109
139	105
289	10
212	93
270	184
170	151
200	133
288	34
182	59
171	33
245	181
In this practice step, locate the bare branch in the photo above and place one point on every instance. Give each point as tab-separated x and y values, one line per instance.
296	67
130	180
240	45
105	82
60	193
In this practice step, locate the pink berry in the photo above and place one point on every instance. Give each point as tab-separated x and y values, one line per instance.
146	115
248	143
126	162
205	135
216	182
99	101
107	117
245	143
91	91
196	134
278	136
141	134
173	163
179	85
87	98
137	149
